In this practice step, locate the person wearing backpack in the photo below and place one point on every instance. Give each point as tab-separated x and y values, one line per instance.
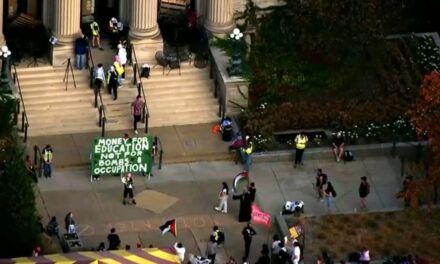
329	194
364	191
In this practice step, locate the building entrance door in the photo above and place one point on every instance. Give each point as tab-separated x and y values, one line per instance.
105	10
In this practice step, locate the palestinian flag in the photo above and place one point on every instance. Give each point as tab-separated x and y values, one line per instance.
240	179
169	226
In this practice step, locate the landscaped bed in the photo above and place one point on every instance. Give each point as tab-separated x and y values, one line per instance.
387	234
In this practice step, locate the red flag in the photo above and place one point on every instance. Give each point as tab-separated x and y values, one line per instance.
259	216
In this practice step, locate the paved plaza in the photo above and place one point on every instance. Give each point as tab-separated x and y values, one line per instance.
97	206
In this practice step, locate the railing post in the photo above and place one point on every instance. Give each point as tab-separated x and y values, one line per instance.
100	116
135	72
215	88
91	77
26	132
103	127
22	121
146	123
138	86
35	154
16	113
96	97
160	158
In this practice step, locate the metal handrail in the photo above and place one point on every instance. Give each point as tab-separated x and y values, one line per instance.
102	114
219	86
140	87
24	117
91	67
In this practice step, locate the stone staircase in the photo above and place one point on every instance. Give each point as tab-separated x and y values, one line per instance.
171	100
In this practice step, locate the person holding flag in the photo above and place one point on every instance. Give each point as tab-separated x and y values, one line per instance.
127	180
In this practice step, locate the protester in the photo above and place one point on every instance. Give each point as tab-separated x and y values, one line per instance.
69	223
264	257
113	240
296	254
119	68
211	249
81	46
364	190
136	110
96	36
112	82
122	54
114	32
219	236
364	256
30	168
321	180
245	205
276	244
223	199
300	145
99	76
248	232
127	180
52	228
338	146
252	191
47	161
247	152
180	250
329	194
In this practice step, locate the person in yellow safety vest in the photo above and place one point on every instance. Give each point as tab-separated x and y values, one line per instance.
47	154
119	68
300	145
247	151
96	37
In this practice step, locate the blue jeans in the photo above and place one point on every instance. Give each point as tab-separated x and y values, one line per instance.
329	202
47	169
80	61
247	162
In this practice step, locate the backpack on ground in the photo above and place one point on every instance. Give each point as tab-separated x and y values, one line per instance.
348	155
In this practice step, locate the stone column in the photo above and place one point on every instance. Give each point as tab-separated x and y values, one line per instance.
143	23
48	15
125	11
220	16
2	37
67	20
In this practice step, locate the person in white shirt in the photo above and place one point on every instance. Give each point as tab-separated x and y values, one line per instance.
180	250
276	245
99	76
296	254
122	54
223	199
364	256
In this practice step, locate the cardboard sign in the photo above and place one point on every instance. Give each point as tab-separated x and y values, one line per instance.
296	231
121	155
260	217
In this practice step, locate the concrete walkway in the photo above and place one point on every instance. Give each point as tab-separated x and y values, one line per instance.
97	206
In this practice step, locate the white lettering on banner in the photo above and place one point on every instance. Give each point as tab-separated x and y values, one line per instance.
121	155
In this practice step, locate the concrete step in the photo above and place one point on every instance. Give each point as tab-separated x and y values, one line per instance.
59	105
50	74
35	95
54	81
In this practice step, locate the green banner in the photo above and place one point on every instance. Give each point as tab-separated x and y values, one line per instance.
122	155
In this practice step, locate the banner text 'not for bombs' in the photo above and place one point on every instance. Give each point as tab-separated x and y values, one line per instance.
121	155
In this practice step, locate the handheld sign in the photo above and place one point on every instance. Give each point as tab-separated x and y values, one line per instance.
121	155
